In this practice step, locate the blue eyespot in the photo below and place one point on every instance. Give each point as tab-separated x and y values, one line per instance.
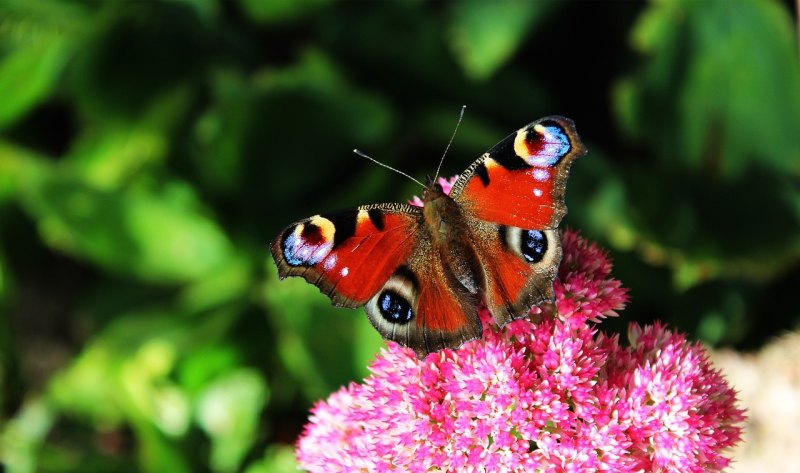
554	145
533	245
394	308
289	245
561	146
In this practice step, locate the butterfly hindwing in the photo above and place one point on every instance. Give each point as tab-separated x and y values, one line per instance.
521	181
519	267
423	306
350	254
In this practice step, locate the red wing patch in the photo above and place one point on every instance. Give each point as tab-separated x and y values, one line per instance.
439	308
513	197
518	268
349	255
508	277
521	181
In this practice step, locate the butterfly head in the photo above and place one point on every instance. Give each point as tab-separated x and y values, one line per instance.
432	191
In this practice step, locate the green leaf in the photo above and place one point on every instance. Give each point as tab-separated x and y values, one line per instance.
18	168
206	9
314	340
485	35
122	375
229	411
716	103
38	38
136	53
277	11
110	153
22	437
366	343
277	459
204	364
297	122
155	236
125	378
28	75
712	116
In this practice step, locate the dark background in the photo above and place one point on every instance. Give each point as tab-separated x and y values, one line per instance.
150	150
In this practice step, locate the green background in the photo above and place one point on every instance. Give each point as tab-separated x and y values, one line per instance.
150	150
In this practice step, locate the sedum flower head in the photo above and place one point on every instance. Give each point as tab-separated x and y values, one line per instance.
546	393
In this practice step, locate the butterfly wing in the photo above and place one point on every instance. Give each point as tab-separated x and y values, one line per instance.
514	198
351	254
382	257
521	181
519	267
423	306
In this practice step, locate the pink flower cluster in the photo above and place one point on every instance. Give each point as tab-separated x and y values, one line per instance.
547	393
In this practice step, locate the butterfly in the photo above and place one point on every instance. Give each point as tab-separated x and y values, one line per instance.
422	272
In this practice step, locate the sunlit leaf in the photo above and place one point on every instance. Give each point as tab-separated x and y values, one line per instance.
123	371
89	386
109	154
276	459
711	116
315	340
37	39
229	411
484	35
150	236
28	75
125	377
22	437
144	380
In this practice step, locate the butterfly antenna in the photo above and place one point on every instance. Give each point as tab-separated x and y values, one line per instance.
360	153
460	117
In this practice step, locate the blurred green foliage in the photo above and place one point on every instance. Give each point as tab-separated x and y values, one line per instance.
149	151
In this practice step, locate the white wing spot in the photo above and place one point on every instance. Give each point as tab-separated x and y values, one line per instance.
541	174
330	262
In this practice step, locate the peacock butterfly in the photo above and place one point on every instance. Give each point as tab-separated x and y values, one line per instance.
421	272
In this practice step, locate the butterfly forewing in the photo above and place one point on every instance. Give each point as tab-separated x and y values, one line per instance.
521	181
350	254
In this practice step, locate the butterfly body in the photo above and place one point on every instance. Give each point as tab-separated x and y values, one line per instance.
449	233
421	272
